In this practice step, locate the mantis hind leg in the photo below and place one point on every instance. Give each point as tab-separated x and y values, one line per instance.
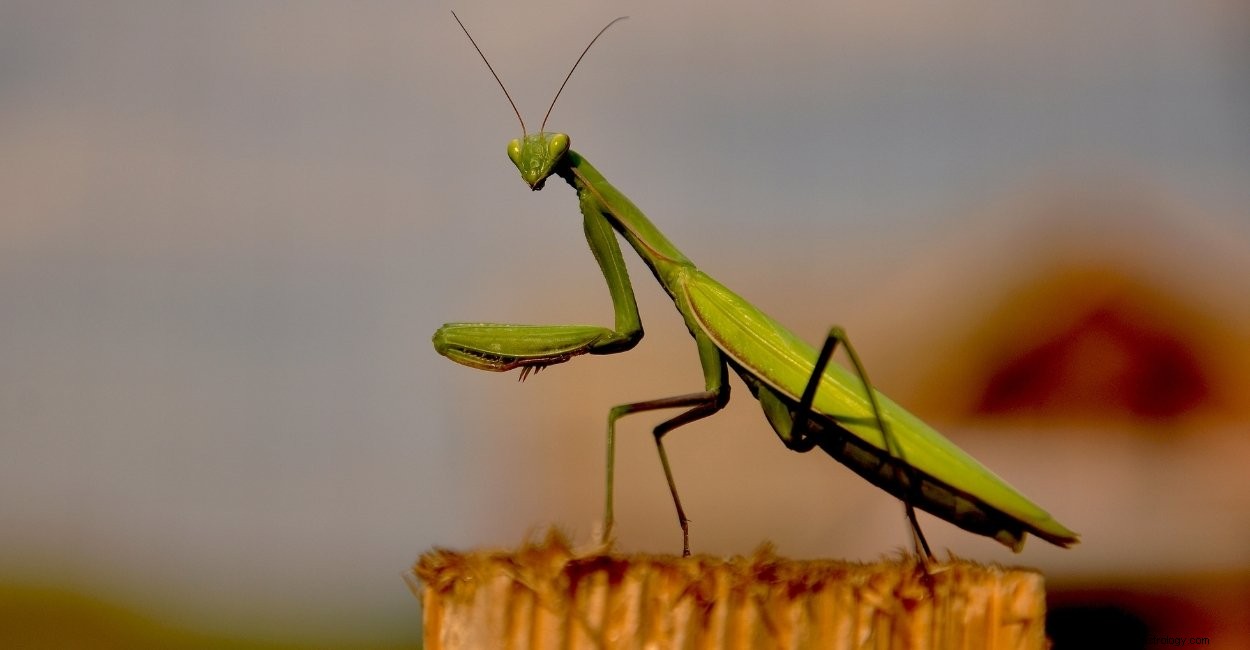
800	441
699	405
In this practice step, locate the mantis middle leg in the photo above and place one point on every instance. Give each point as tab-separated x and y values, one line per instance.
699	405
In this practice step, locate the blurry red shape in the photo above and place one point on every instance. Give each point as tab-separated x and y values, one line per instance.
1112	359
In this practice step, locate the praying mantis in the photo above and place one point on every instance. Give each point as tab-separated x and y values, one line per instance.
809	401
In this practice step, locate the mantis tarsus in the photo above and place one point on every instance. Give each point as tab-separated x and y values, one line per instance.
809	401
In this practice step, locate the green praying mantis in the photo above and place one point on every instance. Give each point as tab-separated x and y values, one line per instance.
809	401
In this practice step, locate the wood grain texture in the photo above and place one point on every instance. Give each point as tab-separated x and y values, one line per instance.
545	595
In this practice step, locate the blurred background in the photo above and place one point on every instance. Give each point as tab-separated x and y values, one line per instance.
228	230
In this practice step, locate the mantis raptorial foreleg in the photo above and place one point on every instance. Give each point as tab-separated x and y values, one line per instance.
501	347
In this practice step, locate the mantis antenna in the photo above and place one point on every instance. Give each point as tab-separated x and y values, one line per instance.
562	85
575	64
497	79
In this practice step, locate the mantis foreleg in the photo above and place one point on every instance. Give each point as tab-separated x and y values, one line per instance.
501	347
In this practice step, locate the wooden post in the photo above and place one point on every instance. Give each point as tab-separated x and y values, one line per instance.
546	596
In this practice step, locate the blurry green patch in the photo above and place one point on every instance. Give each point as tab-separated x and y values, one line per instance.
40	617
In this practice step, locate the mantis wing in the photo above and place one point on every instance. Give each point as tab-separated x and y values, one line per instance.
778	358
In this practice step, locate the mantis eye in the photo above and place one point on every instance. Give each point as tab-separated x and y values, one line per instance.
514	152
558	144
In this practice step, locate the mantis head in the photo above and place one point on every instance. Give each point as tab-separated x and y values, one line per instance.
535	156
